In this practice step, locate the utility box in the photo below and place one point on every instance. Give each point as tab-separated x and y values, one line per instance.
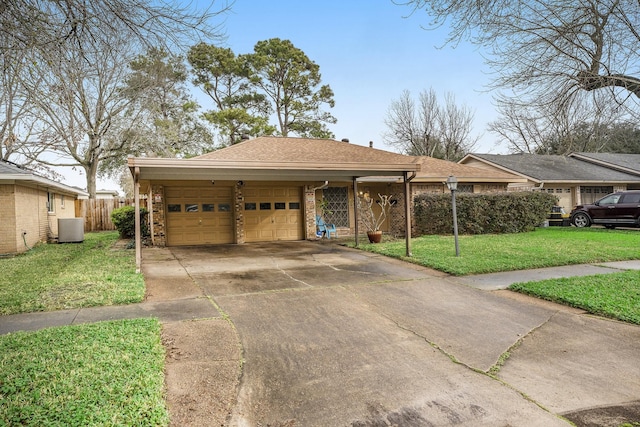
70	230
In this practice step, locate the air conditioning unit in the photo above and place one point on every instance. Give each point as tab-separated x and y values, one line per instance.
70	230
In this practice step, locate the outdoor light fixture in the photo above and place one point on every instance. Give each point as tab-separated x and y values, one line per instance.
452	184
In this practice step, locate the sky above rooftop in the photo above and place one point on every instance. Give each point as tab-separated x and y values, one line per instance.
368	51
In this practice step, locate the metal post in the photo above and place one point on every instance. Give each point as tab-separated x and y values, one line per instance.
138	238
455	221
452	183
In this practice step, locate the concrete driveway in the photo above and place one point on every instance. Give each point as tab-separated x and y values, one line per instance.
336	337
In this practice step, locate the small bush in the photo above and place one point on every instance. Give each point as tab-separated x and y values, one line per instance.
493	213
124	220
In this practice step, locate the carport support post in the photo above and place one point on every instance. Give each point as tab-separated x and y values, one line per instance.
407	210
355	207
136	196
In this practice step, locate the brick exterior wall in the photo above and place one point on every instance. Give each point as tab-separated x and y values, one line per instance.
24	209
8	241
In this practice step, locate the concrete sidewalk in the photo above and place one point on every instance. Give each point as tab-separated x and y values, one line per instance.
169	308
503	280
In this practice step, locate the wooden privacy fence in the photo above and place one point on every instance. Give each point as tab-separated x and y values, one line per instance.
97	212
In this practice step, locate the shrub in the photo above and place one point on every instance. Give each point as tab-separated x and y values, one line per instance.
492	213
124	220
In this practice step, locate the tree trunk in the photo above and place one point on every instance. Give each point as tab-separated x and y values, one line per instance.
92	171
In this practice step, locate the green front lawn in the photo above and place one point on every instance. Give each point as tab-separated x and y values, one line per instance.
614	295
71	275
544	247
101	374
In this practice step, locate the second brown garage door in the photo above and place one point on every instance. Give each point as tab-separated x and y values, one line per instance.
273	213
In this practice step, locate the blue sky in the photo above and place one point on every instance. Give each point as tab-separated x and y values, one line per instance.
368	51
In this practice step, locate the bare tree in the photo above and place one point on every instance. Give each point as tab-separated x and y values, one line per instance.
41	24
547	51
79	101
74	57
430	129
582	125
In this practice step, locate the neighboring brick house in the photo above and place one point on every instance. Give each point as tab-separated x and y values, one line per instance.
575	179
269	188
30	206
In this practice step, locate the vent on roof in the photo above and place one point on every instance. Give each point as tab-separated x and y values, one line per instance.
345	140
370	144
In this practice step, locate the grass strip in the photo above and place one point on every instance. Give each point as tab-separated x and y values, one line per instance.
100	374
544	247
615	295
72	275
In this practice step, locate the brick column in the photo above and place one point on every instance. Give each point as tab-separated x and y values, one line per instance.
158	237
310	212
239	212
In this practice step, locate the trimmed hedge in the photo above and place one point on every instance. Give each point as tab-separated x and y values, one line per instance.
491	213
124	220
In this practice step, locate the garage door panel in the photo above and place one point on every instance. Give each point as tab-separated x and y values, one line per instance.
273	213
198	216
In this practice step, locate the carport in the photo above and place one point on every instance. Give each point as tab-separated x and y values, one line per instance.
145	170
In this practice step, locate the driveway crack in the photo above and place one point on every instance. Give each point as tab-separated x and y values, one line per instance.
283	271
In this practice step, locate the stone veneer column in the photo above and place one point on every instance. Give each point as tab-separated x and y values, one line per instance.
157	201
310	211
239	213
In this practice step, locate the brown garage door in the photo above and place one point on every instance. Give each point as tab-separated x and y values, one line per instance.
273	213
199	216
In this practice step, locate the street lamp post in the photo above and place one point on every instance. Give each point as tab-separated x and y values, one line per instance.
452	184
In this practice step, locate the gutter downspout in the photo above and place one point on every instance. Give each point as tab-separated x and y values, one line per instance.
407	209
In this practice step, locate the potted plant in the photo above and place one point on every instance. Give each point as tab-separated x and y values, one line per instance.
372	221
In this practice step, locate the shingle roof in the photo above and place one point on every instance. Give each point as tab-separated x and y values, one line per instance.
319	151
555	168
12	172
10	168
621	161
437	169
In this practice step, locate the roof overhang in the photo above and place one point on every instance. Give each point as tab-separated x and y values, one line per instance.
207	169
31	180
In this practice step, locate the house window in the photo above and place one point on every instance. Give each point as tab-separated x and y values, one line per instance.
174	208
207	207
465	188
51	202
338	205
250	206
62	201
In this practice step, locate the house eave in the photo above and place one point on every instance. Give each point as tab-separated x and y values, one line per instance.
206	169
